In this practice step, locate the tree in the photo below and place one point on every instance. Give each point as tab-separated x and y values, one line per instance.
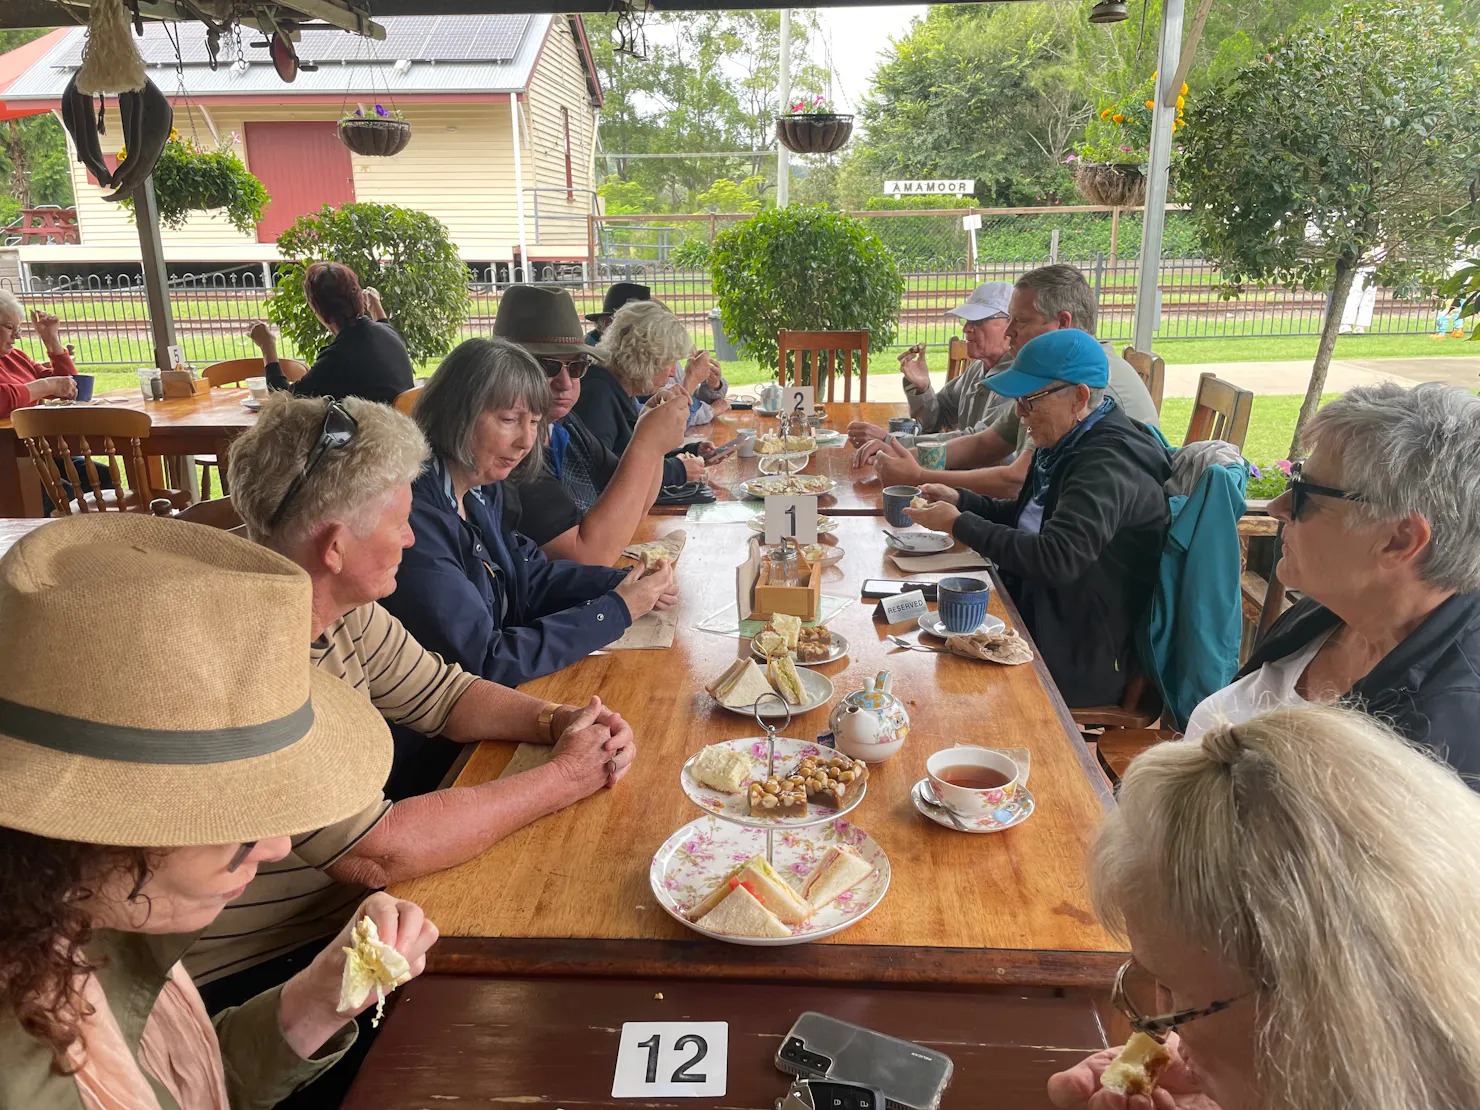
33	153
726	195
1349	144
407	255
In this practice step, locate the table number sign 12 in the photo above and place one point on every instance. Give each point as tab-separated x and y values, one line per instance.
791	517
672	1058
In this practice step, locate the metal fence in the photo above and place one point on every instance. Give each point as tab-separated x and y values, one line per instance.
107	319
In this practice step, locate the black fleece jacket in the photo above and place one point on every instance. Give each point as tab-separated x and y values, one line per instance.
1083	581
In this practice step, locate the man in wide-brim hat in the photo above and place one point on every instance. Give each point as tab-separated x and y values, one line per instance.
588	502
136	805
617	294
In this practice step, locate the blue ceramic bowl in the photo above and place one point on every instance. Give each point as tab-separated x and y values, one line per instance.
963	603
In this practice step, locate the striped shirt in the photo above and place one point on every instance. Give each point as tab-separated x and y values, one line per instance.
293	901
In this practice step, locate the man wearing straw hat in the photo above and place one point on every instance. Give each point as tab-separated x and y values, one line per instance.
134	806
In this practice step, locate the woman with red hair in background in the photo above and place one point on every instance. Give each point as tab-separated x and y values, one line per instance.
366	357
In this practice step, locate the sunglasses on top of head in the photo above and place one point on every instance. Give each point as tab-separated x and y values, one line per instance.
574	365
339	428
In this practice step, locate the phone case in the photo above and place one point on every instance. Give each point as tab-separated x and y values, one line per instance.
911	1076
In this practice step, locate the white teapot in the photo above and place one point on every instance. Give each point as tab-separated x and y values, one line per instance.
870	724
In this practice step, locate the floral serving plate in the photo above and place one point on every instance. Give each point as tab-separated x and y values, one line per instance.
815	485
693	861
1011	813
736	807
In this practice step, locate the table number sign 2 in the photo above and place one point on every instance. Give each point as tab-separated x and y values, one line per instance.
672	1058
797	401
792	517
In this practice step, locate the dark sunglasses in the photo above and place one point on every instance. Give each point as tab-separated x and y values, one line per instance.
241	855
339	428
1301	492
1033	398
575	366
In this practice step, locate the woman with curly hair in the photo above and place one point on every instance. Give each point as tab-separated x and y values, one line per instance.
135	807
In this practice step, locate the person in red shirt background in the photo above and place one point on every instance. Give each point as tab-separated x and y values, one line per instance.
23	380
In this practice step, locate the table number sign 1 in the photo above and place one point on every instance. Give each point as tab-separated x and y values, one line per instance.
792	517
797	400
672	1058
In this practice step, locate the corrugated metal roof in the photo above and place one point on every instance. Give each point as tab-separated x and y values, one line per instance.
447	54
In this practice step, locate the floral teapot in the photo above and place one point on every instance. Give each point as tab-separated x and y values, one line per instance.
870	724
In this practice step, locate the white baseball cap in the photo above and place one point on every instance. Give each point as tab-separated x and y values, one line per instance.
990	298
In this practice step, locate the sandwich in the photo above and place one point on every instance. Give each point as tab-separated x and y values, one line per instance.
839	871
370	964
765	883
740	914
1137	1068
769	642
721	769
647	555
781	670
918	502
741	686
788	627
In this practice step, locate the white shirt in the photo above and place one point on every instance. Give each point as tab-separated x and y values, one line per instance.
1272	686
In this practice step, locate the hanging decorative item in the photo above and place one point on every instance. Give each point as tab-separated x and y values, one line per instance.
379	132
810	128
110	61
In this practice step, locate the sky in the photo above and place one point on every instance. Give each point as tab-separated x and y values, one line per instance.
857	38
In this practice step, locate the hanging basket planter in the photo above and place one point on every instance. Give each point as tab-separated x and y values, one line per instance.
1119	185
375	138
814	132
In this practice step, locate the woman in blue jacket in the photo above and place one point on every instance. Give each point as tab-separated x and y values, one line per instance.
471	587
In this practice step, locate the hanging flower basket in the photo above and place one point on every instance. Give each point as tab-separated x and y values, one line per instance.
814	132
1121	185
375	138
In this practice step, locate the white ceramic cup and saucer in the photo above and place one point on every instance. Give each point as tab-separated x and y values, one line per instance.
985	790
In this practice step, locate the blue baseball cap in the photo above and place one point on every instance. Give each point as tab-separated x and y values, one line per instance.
1066	355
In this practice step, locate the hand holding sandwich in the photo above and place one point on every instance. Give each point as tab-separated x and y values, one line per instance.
653	590
595	750
308	1008
1079	1088
662	422
941	512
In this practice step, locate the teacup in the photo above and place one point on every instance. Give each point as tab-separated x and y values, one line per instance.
984	780
932	456
962	603
257	387
745	443
896	500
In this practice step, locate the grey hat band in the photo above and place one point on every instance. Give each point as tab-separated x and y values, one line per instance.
128	744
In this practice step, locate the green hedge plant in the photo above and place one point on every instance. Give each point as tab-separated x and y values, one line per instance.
803	268
407	255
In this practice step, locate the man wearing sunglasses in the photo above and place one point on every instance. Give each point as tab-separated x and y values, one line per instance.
1080	546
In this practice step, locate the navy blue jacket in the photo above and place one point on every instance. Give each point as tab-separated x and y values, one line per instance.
489	599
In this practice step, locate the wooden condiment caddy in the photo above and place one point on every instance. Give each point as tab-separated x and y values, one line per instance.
183	383
758	599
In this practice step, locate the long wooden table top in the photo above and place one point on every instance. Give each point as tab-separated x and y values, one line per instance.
472	1042
218	409
570	894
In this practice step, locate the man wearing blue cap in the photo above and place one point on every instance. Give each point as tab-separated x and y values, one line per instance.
1079	548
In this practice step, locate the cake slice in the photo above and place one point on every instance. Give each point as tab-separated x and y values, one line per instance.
1136	1069
739	913
721	769
839	871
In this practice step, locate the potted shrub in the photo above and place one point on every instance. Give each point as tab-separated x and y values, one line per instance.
188	178
804	267
378	134
1109	165
811	128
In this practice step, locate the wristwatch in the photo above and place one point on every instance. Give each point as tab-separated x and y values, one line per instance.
544	727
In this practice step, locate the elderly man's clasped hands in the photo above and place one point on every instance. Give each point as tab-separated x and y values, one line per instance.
586	734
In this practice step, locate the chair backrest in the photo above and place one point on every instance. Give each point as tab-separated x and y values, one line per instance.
217	513
956	357
1221	410
405	400
293	369
54	436
233	371
816	353
1152	370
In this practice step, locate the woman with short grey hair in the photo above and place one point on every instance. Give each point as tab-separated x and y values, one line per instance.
1299	893
471	587
23	380
1382	537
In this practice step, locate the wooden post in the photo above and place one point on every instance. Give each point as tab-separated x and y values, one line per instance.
156	282
1114	237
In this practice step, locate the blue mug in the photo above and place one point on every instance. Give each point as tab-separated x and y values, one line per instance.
85	384
896	500
962	603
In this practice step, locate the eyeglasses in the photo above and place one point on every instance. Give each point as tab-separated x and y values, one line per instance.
984	321
1301	492
1027	403
339	428
1136	992
574	365
241	855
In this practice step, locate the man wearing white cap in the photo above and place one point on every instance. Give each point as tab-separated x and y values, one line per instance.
963	404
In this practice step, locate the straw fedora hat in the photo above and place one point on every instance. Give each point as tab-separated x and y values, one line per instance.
542	319
211	726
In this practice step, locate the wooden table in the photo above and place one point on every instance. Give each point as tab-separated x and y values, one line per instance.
474	1042
569	894
201	425
857	492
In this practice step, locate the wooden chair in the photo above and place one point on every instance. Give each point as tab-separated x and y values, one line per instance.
405	400
1140	707
234	371
1152	370
1115	750
55	435
824	347
1221	410
956	357
213	514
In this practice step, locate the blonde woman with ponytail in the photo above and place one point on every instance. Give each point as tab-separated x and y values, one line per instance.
1301	893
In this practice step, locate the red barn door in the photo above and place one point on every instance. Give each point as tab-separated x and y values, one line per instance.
303	167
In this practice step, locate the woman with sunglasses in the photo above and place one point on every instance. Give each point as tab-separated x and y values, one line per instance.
1299	893
134	808
579	499
1381	536
1080	546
